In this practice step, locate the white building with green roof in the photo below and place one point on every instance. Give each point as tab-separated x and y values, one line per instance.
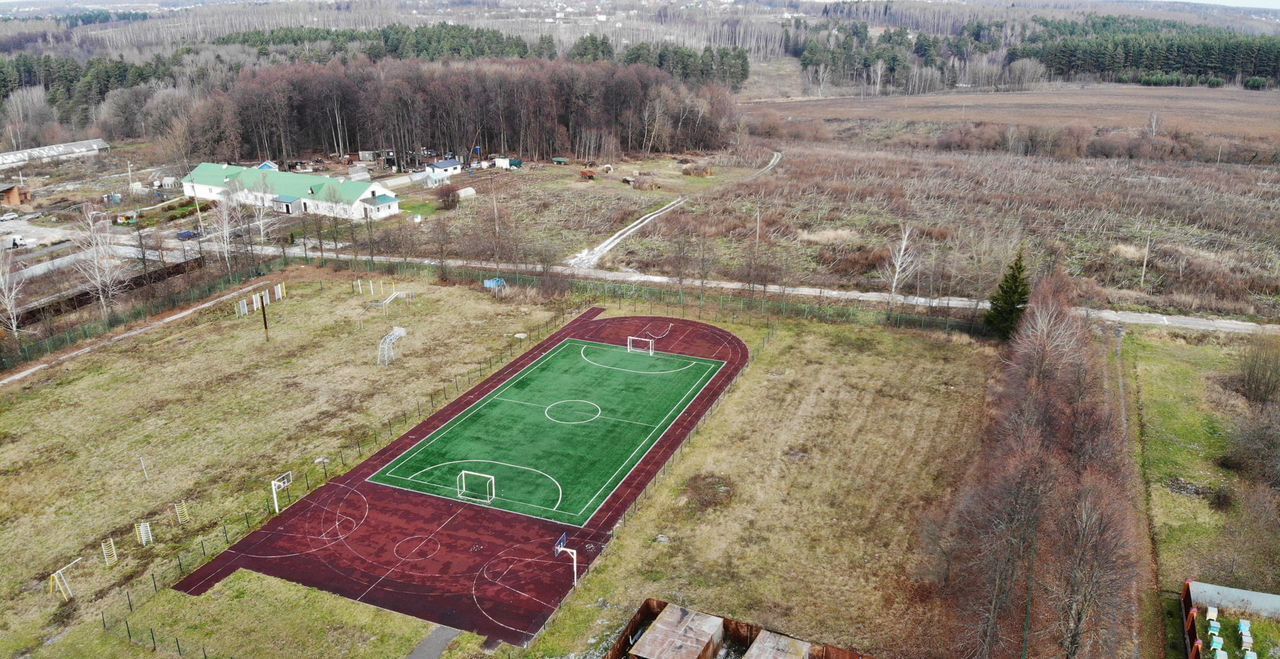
291	193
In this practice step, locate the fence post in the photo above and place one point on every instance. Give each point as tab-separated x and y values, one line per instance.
128	598
153	638
155	587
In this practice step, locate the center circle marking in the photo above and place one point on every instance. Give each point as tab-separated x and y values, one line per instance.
574	408
416	548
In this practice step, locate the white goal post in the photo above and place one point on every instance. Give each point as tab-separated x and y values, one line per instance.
640	344
284	481
475	486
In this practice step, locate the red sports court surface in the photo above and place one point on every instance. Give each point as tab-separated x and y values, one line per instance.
466	566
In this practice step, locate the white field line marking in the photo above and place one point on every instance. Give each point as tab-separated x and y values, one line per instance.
713	366
583	353
455	499
560	498
572	423
450	424
703	381
546	410
397	566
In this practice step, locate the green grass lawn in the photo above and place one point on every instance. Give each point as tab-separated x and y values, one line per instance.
1186	416
558	438
1185	413
412	206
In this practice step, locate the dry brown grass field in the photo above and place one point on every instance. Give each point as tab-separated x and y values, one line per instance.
830	210
1226	111
216	412
549	212
796	505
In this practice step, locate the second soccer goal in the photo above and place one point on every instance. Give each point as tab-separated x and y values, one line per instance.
640	344
474	486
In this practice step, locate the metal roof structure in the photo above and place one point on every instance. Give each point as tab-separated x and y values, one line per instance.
283	184
52	152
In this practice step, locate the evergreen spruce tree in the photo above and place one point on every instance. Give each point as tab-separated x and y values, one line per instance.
1009	300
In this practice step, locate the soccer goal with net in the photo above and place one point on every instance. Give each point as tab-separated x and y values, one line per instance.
640	344
474	486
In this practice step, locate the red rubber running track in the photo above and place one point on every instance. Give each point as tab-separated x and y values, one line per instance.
472	568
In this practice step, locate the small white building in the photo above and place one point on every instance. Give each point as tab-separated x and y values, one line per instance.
291	193
446	167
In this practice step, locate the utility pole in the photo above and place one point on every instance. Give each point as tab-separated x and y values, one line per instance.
497	269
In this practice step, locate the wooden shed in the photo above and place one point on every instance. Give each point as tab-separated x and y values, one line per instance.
678	633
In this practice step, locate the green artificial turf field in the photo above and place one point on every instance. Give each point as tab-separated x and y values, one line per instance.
558	438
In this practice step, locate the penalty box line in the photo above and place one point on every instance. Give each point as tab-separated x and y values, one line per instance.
712	367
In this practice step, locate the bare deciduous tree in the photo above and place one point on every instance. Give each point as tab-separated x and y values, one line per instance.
1091	581
902	264
10	298
440	236
99	266
225	222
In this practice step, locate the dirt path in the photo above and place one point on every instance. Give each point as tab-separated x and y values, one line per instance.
100	343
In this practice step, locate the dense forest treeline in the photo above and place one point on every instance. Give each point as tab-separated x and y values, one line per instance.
729	66
1122	57
95	16
1111	48
725	65
431	42
74	92
536	108
73	89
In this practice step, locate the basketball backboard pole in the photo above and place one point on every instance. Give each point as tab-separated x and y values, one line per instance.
561	548
285	480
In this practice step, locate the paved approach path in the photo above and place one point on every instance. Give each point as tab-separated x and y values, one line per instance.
435	644
1105	315
590	258
1193	323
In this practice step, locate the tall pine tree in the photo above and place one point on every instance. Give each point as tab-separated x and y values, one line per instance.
1010	300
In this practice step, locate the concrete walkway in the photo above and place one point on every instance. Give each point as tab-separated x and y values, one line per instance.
434	645
1105	315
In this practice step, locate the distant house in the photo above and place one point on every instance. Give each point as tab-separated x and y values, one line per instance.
291	193
447	167
14	195
56	152
268	166
560	161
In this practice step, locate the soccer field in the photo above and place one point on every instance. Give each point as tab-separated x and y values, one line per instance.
558	438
